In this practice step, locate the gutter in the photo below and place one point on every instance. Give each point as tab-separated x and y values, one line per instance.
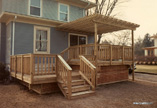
13	37
87	5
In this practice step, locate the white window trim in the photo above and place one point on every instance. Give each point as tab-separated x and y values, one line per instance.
78	36
63	12
41	8
48	40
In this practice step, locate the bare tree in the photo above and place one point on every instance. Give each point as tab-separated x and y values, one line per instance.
122	38
138	47
104	7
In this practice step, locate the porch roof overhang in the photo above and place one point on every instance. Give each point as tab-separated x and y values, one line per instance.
7	17
79	3
105	24
150	48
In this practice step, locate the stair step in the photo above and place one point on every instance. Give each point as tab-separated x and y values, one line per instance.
78	82
79	88
82	94
76	77
74	82
76	72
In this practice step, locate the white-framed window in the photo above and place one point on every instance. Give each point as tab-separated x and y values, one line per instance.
35	7
41	40
77	39
63	13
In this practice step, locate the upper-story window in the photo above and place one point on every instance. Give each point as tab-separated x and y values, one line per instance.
63	12
35	7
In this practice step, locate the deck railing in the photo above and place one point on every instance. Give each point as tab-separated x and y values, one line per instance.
88	71
104	52
33	64
64	74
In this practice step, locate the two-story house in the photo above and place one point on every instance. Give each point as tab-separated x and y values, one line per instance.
51	45
28	26
151	51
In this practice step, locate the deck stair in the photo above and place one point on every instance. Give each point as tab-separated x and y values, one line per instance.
79	87
72	82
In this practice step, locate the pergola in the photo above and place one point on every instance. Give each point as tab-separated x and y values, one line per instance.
98	24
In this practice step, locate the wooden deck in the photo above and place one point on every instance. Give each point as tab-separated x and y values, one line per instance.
101	62
76	72
38	79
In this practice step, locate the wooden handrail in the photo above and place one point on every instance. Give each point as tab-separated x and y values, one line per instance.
88	63
64	74
88	71
65	54
64	50
65	63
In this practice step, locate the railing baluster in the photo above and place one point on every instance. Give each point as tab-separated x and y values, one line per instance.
45	61
42	65
48	65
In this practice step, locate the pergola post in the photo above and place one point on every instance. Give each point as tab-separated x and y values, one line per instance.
96	50
96	33
132	32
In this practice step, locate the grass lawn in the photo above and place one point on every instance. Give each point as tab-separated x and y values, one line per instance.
146	68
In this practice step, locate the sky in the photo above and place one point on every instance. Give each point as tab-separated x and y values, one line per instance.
142	12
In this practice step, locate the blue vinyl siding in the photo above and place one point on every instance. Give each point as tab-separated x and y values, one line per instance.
75	13
58	41
0	7
15	6
24	39
49	9
2	42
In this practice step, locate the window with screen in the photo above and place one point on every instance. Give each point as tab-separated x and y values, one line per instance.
35	7
63	12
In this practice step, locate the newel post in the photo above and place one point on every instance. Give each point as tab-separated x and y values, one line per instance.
22	67
96	50
123	55
32	67
69	84
132	32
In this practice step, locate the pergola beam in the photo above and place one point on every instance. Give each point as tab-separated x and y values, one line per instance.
115	24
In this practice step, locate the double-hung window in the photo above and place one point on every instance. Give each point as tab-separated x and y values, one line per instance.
41	40
63	12
35	7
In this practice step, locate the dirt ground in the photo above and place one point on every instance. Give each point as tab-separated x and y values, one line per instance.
118	95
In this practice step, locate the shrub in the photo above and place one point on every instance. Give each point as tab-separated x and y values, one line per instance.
4	74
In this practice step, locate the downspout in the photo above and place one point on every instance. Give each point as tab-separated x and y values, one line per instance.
13	37
85	7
